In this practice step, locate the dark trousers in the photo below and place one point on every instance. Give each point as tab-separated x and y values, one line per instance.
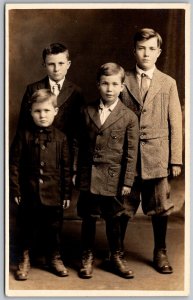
39	224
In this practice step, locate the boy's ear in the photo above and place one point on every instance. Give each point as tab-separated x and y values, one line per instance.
56	110
69	63
160	51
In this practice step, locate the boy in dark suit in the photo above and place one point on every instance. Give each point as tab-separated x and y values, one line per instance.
153	96
40	182
106	167
56	61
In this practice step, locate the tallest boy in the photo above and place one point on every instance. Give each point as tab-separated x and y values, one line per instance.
56	61
153	96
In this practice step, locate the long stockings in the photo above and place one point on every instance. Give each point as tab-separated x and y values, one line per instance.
88	232
159	229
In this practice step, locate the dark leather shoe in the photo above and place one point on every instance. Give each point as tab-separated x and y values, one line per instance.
161	262
57	266
120	265
86	268
23	266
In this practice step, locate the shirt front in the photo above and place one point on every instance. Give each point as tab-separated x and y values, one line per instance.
148	73
105	111
53	84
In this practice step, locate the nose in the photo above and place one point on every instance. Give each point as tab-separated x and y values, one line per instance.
146	53
56	68
109	87
42	114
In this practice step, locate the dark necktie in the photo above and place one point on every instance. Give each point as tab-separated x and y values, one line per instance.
144	86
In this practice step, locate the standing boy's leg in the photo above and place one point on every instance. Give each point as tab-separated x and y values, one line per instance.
87	208
160	259
157	203
25	223
52	223
113	232
88	232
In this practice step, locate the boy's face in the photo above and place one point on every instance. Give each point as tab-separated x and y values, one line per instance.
147	53
43	113
110	87
57	66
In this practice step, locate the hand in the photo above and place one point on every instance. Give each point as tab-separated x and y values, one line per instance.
176	170
65	204
74	179
17	200
125	190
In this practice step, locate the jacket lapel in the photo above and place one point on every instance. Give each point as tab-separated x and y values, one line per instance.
115	115
65	92
132	85
155	86
94	115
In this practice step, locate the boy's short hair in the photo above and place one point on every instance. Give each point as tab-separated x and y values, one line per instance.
55	48
109	69
146	34
41	96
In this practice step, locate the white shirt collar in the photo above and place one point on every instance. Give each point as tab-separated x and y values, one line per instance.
110	108
149	73
52	82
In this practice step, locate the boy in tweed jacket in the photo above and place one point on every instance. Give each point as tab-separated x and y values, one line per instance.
156	103
106	167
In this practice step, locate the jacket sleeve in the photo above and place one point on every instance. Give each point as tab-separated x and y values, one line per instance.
131	151
16	152
175	123
66	171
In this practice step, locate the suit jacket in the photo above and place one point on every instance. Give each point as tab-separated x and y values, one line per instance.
160	123
40	166
70	101
107	153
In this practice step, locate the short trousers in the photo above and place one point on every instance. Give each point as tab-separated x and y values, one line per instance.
154	195
97	206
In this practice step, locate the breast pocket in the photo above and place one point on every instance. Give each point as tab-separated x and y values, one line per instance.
116	139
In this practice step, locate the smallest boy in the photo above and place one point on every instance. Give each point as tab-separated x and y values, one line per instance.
106	167
40	182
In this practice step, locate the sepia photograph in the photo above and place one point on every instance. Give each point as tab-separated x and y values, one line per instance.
97	104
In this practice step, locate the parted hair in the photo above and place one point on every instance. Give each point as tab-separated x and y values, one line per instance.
43	95
146	34
109	69
55	48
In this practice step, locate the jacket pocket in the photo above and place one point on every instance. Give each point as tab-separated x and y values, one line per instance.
116	139
113	178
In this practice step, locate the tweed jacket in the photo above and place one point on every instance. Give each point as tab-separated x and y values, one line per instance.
70	101
160	123
40	166
108	152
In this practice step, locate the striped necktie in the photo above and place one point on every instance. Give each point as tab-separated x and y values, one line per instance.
144	86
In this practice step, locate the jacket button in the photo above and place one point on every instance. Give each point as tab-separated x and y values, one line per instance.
142	143
41	171
42	163
43	147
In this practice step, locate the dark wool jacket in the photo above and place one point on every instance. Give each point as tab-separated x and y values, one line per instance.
40	166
